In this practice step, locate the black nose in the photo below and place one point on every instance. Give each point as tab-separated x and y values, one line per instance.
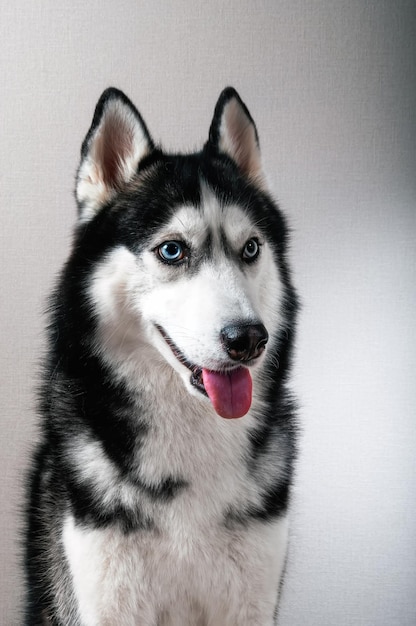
244	342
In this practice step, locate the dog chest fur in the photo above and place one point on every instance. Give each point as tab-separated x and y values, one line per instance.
140	578
190	566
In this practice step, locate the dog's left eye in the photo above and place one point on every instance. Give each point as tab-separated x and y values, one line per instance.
171	251
251	250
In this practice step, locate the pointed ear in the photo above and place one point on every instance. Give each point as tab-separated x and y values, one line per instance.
234	133
111	152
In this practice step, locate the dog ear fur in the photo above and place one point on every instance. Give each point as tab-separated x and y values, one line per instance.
233	132
111	152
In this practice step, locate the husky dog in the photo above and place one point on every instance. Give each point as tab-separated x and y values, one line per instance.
159	490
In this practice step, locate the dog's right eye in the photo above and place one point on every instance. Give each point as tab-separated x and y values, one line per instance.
172	252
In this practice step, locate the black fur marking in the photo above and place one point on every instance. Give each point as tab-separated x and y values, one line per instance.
90	512
274	504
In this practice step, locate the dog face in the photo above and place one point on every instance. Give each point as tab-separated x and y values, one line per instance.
186	274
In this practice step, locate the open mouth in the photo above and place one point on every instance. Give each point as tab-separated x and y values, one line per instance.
196	371
230	391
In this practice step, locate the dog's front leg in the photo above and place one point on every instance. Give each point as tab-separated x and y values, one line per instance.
250	586
107	578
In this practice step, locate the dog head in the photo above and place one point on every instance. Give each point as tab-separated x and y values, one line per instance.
186	253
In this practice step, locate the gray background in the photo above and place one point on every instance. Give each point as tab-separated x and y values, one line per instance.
331	85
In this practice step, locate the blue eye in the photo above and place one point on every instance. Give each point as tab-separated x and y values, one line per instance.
251	250
171	251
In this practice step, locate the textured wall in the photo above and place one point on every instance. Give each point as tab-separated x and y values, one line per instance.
331	85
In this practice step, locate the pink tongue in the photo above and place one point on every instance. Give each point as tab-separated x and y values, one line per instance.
230	392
